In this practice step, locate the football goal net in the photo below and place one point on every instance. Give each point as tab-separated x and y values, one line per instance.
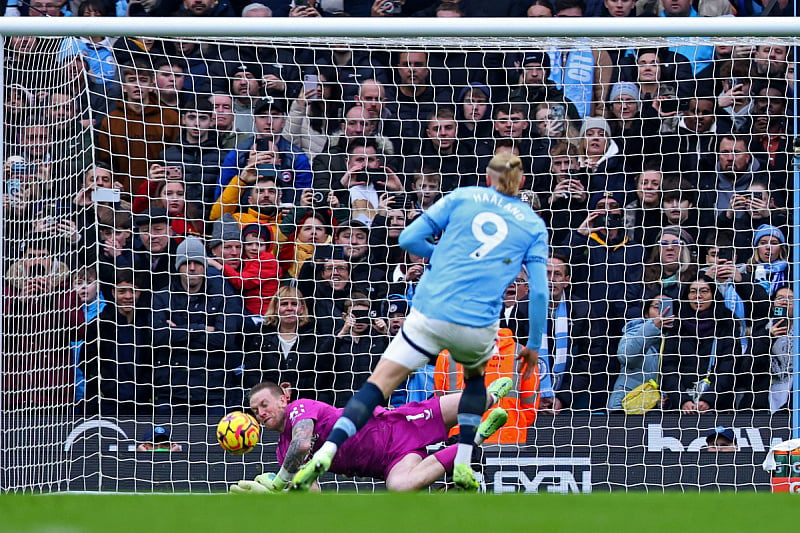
192	207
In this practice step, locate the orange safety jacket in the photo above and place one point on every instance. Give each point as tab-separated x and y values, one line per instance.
521	403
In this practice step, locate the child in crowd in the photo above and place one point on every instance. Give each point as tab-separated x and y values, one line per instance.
92	303
257	278
427	189
313	229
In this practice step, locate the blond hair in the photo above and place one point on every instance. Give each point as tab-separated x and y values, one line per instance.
506	172
287	292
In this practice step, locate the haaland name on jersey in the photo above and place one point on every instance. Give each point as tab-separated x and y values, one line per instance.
495	198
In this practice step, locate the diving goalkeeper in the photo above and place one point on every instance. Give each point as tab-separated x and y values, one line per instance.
391	446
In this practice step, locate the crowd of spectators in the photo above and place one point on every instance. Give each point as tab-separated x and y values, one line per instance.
185	218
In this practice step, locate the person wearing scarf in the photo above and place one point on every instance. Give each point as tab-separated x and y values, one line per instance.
768	266
670	263
563	356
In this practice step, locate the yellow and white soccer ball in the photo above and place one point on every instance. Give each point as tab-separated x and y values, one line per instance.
238	432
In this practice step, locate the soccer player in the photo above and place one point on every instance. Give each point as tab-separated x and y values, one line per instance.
391	446
485	236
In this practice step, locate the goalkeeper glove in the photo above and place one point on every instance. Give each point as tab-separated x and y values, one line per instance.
266	483
246	486
271	482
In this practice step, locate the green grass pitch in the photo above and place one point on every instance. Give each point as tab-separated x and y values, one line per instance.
407	513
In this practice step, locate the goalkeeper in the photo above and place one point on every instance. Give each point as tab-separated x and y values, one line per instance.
391	446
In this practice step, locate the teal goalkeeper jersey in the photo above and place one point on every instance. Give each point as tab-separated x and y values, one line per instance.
485	239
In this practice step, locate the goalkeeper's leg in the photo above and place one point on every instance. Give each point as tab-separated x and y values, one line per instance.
415	473
386	378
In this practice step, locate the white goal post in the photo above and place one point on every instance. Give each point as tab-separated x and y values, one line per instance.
57	239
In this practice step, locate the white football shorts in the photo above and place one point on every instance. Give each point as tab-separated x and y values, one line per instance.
421	339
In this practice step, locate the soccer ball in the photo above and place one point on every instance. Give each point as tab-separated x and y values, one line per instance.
238	432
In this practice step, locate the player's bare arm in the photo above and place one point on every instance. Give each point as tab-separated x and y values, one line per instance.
299	448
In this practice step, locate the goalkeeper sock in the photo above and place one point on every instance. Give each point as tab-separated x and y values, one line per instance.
470	409
282	479
356	413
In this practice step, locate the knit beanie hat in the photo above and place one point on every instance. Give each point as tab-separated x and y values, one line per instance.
225	229
767	230
191	249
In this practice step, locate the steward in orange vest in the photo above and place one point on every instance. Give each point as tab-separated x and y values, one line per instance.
521	403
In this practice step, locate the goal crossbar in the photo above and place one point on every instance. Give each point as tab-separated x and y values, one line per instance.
718	27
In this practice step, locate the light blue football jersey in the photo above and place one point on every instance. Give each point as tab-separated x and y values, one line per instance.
486	237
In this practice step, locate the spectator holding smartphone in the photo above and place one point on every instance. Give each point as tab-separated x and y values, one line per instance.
304	8
773	351
735	100
315	115
720	260
551	126
37	313
565	207
611	265
359	344
269	118
748	210
366	178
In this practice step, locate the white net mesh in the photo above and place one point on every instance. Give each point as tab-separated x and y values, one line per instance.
160	192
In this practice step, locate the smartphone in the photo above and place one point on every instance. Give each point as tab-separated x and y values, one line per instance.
757	194
392	7
669	105
37	271
263	145
300	3
599	222
558	113
733	82
725	253
529	197
665	306
320	198
13	186
18	166
362	316
614	220
174	172
779	313
375	176
310	81
102	194
398	200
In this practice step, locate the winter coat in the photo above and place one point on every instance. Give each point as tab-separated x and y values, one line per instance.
688	358
192	364
638	358
116	362
308	366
